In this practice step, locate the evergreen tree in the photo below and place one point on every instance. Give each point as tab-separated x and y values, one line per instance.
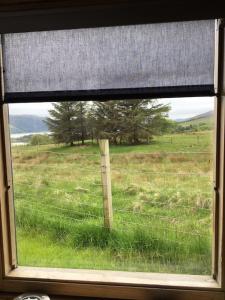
67	122
123	121
80	120
107	121
91	123
130	121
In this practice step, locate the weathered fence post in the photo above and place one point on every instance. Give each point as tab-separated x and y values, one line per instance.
106	183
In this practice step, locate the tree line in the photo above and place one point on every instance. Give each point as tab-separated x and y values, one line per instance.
122	122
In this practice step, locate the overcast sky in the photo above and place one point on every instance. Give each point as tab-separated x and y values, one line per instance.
181	108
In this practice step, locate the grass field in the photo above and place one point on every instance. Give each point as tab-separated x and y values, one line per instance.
162	198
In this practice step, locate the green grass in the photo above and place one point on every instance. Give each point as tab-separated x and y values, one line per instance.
162	198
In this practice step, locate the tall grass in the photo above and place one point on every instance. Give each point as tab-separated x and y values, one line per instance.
162	198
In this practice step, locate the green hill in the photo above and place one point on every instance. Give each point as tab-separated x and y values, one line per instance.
200	122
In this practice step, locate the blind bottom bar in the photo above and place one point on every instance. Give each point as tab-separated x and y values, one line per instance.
111	94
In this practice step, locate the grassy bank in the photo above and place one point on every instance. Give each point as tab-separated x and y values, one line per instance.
162	197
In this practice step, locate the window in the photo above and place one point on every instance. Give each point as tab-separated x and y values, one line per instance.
160	185
40	67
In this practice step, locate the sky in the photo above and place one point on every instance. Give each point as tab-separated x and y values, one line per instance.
181	108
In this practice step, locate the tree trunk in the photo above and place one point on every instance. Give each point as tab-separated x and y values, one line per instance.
82	124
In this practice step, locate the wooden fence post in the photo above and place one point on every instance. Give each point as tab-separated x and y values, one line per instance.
106	183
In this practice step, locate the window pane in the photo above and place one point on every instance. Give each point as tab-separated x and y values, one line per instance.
161	175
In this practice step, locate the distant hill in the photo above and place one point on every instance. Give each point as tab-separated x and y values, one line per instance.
27	124
199	122
207	115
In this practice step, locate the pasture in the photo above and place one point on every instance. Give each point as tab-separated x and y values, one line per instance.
162	206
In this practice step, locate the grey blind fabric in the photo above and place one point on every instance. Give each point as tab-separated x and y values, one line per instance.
123	57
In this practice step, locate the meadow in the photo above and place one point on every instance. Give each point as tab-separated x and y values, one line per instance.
162	206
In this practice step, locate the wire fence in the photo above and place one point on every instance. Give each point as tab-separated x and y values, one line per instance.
161	205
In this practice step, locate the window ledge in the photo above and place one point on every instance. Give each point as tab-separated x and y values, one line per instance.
114	277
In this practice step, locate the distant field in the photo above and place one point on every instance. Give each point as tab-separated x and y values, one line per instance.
162	198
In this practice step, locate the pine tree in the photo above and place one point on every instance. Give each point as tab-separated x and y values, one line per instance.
107	120
67	122
80	120
130	121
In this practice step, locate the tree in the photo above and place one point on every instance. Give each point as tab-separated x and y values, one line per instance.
80	120
106	120
123	121
40	139
67	122
91	123
130	121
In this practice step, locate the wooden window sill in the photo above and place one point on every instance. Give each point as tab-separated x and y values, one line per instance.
114	277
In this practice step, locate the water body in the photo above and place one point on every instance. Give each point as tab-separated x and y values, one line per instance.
20	135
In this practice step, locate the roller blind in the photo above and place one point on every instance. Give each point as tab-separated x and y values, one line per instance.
121	61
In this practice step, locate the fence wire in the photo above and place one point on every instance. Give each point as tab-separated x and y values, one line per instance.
162	208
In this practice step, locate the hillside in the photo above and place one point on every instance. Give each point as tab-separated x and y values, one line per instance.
27	124
206	115
200	122
203	116
206	118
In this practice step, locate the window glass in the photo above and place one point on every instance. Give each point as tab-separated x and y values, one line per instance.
148	210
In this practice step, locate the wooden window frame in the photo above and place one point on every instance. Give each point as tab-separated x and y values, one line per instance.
113	284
